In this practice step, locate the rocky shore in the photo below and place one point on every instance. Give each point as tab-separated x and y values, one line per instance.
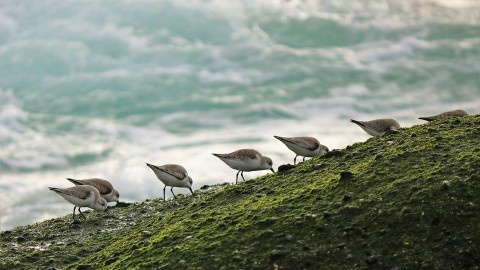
408	200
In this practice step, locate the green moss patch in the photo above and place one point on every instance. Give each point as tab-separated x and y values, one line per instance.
408	200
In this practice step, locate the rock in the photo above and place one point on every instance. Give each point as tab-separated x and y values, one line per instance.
289	237
122	204
285	167
371	260
347	197
346	175
146	233
76	221
335	153
204	187
278	254
21	239
446	185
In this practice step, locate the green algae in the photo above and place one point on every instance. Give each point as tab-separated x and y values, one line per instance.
407	200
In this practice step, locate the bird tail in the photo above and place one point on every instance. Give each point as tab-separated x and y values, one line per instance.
357	122
426	118
151	166
76	182
219	155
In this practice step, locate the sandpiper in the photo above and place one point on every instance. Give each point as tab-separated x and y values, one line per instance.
82	196
172	175
246	160
303	146
444	115
104	187
378	126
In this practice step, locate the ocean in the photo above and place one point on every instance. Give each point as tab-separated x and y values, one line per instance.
99	88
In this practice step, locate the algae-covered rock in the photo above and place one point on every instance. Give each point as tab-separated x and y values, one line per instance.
408	200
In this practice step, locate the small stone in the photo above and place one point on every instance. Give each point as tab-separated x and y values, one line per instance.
188	238
272	219
347	197
446	185
146	233
335	153
21	239
285	167
237	258
371	260
277	254
289	237
346	175
205	187
183	262
349	256
76	221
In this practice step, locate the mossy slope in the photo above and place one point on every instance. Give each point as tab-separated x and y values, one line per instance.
408	201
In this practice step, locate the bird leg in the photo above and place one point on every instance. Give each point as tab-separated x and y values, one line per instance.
295	160
173	193
74	212
81	213
242	176
236	179
164	193
191	190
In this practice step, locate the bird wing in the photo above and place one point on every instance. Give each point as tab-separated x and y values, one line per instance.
174	170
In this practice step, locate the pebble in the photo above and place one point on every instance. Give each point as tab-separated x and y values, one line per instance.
346	175
146	233
445	185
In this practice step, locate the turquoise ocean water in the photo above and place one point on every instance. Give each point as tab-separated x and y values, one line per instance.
98	88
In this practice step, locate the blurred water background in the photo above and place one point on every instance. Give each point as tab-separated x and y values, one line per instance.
98	88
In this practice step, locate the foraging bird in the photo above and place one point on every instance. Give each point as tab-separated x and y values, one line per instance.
82	196
444	115
172	175
378	126
104	187
303	146
246	160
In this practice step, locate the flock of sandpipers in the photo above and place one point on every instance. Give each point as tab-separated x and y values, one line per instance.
96	193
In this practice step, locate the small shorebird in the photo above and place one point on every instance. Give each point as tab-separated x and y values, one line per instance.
246	160
104	187
82	196
444	115
303	146
378	126
172	175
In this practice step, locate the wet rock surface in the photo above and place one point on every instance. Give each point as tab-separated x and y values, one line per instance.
413	204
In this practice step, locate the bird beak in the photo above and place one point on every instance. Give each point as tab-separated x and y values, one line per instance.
271	169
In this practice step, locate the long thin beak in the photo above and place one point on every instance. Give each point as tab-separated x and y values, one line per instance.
271	169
